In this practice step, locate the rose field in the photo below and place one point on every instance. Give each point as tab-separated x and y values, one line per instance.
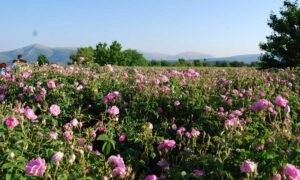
72	122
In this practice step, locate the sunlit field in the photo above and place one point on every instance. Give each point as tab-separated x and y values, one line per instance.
136	123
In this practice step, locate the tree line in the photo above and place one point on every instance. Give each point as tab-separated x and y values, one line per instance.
113	54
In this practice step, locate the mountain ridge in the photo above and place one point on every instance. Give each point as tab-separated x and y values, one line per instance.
62	55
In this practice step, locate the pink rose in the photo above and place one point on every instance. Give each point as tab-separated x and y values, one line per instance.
116	161
248	166
280	101
74	122
57	157
11	122
68	135
53	135
55	110
166	144
119	171
51	84
176	103
276	176
43	91
151	177
122	137
198	173
36	167
28	112
195	132
114	110
292	171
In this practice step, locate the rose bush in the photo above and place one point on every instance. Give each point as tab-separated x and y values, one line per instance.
60	122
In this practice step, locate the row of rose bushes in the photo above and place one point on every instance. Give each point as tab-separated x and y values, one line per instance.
149	123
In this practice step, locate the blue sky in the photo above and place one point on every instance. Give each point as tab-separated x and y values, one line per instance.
216	27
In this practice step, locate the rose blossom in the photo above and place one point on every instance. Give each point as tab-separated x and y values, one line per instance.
198	172
74	122
28	112
280	101
57	157
114	110
68	135
53	135
176	103
248	166
51	84
55	110
72	158
43	91
36	167
151	177
195	132
166	144
122	137
292	171
276	176
11	122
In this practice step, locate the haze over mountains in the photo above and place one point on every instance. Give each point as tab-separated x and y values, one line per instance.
61	55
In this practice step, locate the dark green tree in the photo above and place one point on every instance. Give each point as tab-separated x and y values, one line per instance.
197	63
112	54
154	63
282	46
83	56
42	59
180	62
222	64
116	55
237	64
164	63
134	58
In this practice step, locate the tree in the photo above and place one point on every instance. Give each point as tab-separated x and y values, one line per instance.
83	56
116	55
237	64
42	59
164	63
154	63
109	55
282	46
180	62
197	63
101	54
222	64
134	58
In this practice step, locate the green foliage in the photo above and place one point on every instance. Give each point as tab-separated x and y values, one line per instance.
84	55
282	46
42	59
112	54
197	63
164	63
181	62
154	63
267	137
134	58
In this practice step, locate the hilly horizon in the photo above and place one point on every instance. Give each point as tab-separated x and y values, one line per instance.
62	54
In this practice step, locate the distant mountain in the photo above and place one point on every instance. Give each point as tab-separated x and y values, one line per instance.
31	52
195	55
168	57
245	58
61	55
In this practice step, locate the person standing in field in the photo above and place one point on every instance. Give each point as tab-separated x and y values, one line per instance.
19	62
3	69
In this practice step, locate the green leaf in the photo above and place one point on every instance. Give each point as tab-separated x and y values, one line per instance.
106	148
103	137
8	165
